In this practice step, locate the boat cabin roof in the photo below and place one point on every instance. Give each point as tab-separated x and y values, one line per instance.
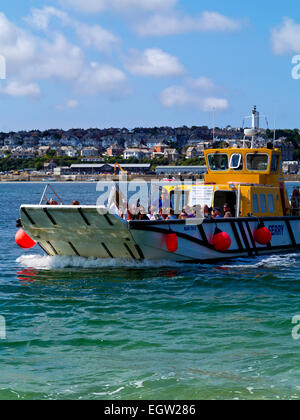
258	166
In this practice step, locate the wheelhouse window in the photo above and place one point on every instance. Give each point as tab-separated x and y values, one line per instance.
236	162
218	162
271	203
257	162
275	163
255	206
263	203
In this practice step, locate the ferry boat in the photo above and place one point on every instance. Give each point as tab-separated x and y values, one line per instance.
249	179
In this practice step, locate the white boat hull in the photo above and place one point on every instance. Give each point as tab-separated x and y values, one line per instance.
85	232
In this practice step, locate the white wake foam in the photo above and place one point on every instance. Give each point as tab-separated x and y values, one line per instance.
40	262
273	261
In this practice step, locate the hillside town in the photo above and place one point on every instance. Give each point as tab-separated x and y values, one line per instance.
141	150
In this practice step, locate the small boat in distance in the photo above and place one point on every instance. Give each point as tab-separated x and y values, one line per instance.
245	186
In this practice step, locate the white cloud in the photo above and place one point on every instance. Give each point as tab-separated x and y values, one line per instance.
161	25
153	62
184	96
91	35
203	83
98	78
16	45
96	36
176	96
96	6
40	18
17	89
69	104
32	58
211	103
285	38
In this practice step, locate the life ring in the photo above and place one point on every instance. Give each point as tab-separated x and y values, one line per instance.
296	199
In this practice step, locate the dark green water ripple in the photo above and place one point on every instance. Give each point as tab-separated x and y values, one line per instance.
114	330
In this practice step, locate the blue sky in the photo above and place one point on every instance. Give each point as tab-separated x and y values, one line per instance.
130	63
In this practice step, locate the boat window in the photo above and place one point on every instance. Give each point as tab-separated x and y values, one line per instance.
271	203
255	206
274	163
218	162
236	162
257	162
263	203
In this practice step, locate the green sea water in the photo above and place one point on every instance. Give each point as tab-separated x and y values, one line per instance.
85	329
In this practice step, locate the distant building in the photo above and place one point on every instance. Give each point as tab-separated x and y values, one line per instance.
160	148
92	159
43	150
291	167
180	170
137	153
68	151
105	168
171	154
115	150
287	149
89	151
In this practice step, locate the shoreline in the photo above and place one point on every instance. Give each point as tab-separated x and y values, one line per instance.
84	180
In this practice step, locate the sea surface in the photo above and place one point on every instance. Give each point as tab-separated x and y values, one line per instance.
85	329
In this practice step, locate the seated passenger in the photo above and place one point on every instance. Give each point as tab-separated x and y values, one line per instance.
152	211
172	215
183	215
156	216
163	213
141	214
217	213
53	203
189	211
227	211
206	212
197	212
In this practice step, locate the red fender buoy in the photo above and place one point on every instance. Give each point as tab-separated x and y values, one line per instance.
221	241
23	240
263	236
172	242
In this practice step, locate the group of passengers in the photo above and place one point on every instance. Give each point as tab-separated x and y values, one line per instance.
161	213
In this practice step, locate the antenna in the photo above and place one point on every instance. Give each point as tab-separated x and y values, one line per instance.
274	138
213	116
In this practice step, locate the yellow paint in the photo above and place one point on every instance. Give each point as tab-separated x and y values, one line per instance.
257	182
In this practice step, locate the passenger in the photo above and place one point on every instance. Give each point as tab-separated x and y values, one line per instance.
217	213
206	212
189	211
227	211
53	203
197	212
163	213
183	215
172	215
156	216
141	214
151	212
